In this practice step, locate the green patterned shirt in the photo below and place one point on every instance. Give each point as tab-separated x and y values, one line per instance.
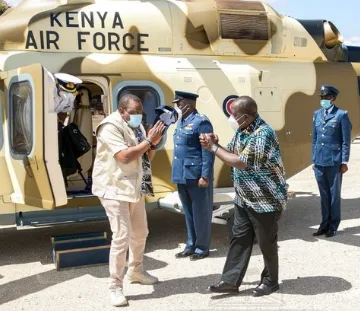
262	185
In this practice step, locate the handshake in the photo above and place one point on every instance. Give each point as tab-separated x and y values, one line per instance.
208	140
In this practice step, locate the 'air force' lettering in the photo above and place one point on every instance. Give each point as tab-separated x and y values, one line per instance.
100	41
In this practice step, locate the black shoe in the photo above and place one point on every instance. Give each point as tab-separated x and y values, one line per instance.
330	234
198	256
320	232
264	289
223	287
183	254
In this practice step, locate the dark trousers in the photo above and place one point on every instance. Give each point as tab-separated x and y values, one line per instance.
198	207
329	180
247	225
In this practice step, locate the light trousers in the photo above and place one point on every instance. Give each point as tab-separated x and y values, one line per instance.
128	223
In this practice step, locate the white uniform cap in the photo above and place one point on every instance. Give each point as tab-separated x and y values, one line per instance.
67	78
67	82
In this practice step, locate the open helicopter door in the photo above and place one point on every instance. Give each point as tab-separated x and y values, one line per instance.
31	134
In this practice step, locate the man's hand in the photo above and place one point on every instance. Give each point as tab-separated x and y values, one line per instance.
208	140
203	141
155	133
214	137
343	168
203	182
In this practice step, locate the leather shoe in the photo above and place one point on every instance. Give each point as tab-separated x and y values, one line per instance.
264	289
223	287
196	256
330	234
183	254
320	231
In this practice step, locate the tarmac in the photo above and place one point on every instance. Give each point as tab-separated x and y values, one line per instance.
315	273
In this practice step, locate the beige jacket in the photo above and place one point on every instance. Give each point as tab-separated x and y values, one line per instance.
112	179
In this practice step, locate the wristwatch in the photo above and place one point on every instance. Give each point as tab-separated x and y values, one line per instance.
149	141
214	148
152	146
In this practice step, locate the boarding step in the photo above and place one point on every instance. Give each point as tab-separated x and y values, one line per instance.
222	214
78	250
223	203
221	196
79	194
62	216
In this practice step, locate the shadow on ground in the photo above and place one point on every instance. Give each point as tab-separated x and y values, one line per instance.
300	286
314	285
40	281
304	212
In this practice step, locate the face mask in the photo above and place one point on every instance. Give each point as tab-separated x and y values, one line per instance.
135	120
179	112
326	103
235	124
64	102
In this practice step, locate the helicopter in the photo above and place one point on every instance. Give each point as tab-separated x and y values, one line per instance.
218	49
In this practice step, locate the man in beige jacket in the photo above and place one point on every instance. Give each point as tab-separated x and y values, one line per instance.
122	179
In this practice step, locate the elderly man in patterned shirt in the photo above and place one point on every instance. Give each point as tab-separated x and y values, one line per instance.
261	195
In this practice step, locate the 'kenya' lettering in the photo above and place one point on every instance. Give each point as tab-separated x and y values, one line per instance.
85	20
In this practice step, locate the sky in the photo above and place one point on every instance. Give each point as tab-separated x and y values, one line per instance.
345	14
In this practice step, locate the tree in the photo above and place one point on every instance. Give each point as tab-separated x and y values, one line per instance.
3	6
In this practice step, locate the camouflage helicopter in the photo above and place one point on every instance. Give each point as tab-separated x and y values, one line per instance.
218	49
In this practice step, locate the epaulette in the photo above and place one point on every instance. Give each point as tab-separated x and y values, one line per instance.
203	117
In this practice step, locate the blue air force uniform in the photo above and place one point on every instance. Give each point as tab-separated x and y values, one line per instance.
330	148
191	162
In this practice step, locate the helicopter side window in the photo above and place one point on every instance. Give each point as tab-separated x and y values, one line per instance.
21	120
149	98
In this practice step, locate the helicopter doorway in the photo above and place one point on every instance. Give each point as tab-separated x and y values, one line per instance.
90	108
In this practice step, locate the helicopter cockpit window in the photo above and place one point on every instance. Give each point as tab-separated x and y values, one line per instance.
21	121
150	100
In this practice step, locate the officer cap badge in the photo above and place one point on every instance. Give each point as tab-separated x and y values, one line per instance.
328	90
180	95
66	82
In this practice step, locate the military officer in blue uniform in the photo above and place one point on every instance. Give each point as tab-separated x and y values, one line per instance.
330	153
192	171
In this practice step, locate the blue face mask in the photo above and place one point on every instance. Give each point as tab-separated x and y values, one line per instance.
326	103
135	120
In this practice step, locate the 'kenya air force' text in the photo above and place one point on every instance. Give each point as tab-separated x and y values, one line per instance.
111	41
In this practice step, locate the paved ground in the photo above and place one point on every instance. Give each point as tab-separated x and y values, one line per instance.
316	273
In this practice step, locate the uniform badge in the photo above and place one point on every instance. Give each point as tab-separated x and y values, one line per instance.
70	85
189	126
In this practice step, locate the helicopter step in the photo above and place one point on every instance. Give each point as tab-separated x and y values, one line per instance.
80	249
32	220
221	196
223	204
